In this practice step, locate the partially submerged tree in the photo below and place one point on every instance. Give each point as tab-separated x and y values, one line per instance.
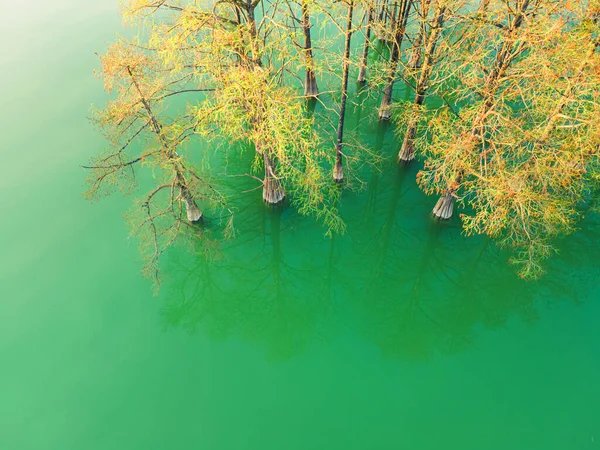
430	33
524	156
338	171
139	136
458	144
310	83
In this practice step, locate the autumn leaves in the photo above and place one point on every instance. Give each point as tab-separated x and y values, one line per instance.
511	133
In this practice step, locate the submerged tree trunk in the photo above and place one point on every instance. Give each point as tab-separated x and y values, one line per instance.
310	84
407	151
444	206
400	28
362	71
192	211
338	172
273	192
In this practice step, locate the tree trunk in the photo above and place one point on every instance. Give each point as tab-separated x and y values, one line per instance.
310	85
415	58
407	151
383	17
338	169
400	27
273	193
444	206
338	172
504	58
192	211
362	71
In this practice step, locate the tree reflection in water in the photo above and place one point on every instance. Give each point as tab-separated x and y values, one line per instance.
408	284
263	290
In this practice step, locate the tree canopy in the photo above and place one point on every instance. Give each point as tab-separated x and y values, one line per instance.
504	113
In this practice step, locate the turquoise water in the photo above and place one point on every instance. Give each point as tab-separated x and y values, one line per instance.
402	334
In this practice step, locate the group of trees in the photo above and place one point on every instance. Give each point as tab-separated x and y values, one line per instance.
504	115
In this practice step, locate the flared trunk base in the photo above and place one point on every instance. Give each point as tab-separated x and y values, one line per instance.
407	152
192	211
273	193
444	207
338	172
385	112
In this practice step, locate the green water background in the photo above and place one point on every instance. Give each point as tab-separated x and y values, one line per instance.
403	334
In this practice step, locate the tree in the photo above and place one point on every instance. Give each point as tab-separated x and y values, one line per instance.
127	120
524	156
464	138
430	33
362	69
310	85
515	141
399	23
338	171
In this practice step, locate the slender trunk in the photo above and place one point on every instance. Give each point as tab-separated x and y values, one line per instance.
504	58
254	51
407	151
273	192
338	172
310	85
386	19
362	71
382	11
415	58
400	28
238	47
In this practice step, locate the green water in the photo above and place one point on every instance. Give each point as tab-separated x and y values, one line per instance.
403	334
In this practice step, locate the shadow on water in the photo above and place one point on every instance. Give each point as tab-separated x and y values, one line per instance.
264	290
410	285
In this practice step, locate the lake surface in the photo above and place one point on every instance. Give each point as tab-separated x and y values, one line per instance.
402	334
